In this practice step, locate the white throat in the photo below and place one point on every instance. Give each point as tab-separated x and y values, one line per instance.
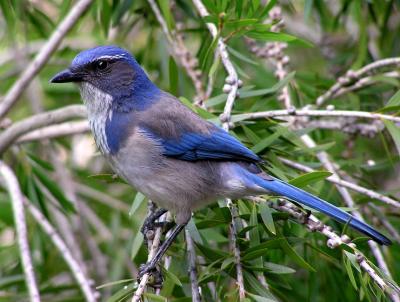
98	104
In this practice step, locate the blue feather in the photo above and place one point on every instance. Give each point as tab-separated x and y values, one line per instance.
284	189
219	145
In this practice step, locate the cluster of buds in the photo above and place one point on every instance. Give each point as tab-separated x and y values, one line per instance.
229	82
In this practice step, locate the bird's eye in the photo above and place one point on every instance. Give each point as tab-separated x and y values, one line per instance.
101	65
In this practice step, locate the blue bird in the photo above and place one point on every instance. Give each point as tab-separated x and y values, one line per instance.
166	151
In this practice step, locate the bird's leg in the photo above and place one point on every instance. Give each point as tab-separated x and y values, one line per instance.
149	222
150	267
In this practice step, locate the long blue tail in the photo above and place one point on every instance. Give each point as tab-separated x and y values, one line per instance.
284	189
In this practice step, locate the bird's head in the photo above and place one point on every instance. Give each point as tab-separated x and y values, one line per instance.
107	74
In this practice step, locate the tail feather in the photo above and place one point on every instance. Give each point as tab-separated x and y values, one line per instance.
281	188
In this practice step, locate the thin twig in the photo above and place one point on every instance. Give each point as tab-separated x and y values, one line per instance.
43	56
38	121
344	183
315	225
83	282
232	81
11	183
54	131
233	235
292	112
182	54
353	76
153	246
364	82
191	254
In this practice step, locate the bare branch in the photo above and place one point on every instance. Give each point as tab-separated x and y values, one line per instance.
54	131
320	113
182	54
83	282
352	77
347	184
363	82
11	183
38	121
314	224
43	56
233	235
192	267
153	246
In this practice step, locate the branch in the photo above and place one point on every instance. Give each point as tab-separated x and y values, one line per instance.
53	131
363	82
38	121
232	82
182	54
153	244
192	267
11	183
321	113
84	284
233	234
347	125
344	183
313	224
353	76
43	56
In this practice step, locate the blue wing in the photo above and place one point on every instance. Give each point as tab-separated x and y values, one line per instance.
218	145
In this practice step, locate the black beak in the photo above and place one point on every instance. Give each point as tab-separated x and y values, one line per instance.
66	76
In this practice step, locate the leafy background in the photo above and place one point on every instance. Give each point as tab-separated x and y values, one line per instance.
99	217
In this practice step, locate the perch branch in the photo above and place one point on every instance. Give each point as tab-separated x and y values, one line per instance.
42	56
313	224
11	183
153	246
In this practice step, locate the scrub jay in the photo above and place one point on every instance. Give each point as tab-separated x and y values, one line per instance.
168	152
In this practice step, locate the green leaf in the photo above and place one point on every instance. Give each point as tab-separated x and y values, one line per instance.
241	57
137	202
295	256
169	275
267	141
266	215
279	269
53	188
394	100
108	284
270	36
122	294
394	132
309	178
136	244
173	76
349	270
260	299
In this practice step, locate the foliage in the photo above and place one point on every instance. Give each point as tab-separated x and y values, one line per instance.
99	217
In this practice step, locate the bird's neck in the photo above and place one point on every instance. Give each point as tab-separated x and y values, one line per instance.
140	95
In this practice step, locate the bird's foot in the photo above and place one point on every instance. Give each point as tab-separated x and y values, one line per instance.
156	278
149	224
